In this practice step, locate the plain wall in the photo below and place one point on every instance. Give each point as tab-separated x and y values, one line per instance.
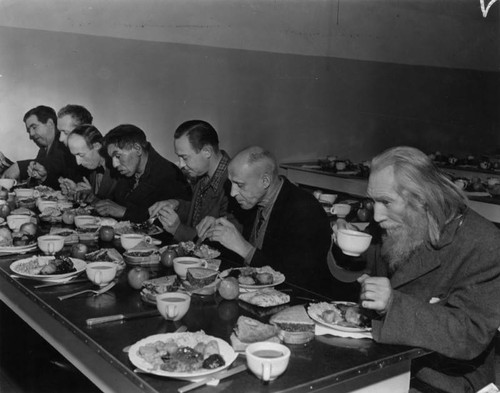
300	106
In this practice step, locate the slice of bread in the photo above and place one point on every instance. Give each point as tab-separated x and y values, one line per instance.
248	331
293	319
199	277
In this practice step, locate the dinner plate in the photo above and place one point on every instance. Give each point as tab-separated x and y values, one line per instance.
226	351
317	318
17	267
278	277
19	249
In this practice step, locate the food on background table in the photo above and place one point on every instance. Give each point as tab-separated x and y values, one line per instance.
229	288
70	235
104	255
106	233
123	227
199	277
9	238
157	286
248	330
79	250
340	313
187	353
137	276
266	297
190	249
23	211
264	275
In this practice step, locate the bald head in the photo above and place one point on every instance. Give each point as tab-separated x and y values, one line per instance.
252	172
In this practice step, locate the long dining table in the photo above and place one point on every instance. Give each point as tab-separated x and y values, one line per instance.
327	363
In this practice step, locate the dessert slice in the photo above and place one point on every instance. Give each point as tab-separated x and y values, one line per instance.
295	326
199	277
248	331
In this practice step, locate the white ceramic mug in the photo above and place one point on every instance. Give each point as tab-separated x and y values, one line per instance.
341	209
173	305
353	243
24	193
130	240
8	183
50	244
101	273
267	360
182	264
80	221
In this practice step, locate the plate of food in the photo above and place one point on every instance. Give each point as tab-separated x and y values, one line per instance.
203	251
343	316
18	249
145	228
187	356
48	268
252	278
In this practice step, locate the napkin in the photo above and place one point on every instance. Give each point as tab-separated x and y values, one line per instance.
320	330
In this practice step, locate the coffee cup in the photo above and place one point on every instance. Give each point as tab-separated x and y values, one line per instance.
25	193
182	264
352	242
173	305
130	240
328	198
50	244
101	273
83	220
8	183
340	209
267	360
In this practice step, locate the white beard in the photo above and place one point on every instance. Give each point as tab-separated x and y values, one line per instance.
398	244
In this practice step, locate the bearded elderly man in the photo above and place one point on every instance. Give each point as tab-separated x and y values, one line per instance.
196	144
146	177
435	278
288	230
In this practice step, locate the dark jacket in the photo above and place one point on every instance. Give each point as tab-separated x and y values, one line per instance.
446	299
161	180
297	240
58	162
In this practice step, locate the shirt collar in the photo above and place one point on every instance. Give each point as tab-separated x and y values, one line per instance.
219	174
266	205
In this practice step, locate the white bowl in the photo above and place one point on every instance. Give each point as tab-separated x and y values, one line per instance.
81	221
353	243
44	204
50	244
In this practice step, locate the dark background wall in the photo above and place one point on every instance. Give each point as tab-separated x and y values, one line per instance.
362	76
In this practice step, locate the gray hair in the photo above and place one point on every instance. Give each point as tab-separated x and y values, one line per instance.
423	184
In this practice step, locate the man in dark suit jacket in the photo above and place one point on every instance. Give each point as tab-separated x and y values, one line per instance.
146	178
289	230
53	159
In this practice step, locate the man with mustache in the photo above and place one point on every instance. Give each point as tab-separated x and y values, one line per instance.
435	278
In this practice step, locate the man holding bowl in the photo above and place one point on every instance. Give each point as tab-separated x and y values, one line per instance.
435	276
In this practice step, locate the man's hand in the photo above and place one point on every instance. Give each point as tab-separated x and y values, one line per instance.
169	218
376	293
154	209
37	171
204	225
107	208
85	196
226	234
12	172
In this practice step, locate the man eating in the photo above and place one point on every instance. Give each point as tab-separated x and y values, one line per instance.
435	278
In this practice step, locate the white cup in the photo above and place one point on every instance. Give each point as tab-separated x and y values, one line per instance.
101	273
173	305
182	264
341	209
327	198
130	240
8	183
352	242
50	244
81	221
267	360
24	193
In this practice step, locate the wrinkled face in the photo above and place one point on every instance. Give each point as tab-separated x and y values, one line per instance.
126	160
65	124
86	157
195	164
41	134
248	185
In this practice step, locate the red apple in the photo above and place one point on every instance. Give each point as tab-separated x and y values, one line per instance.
137	276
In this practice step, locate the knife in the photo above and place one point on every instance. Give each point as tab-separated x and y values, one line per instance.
221	375
122	317
54	284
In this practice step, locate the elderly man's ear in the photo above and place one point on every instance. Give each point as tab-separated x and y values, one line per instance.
266	180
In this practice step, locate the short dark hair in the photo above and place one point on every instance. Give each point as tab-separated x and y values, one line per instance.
89	133
199	133
79	113
125	135
42	113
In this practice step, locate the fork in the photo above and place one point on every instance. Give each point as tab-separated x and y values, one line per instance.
95	292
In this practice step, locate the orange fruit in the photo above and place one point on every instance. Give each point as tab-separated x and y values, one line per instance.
229	288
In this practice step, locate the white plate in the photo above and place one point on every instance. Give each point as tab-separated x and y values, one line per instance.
317	318
226	351
19	249
77	263
247	287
